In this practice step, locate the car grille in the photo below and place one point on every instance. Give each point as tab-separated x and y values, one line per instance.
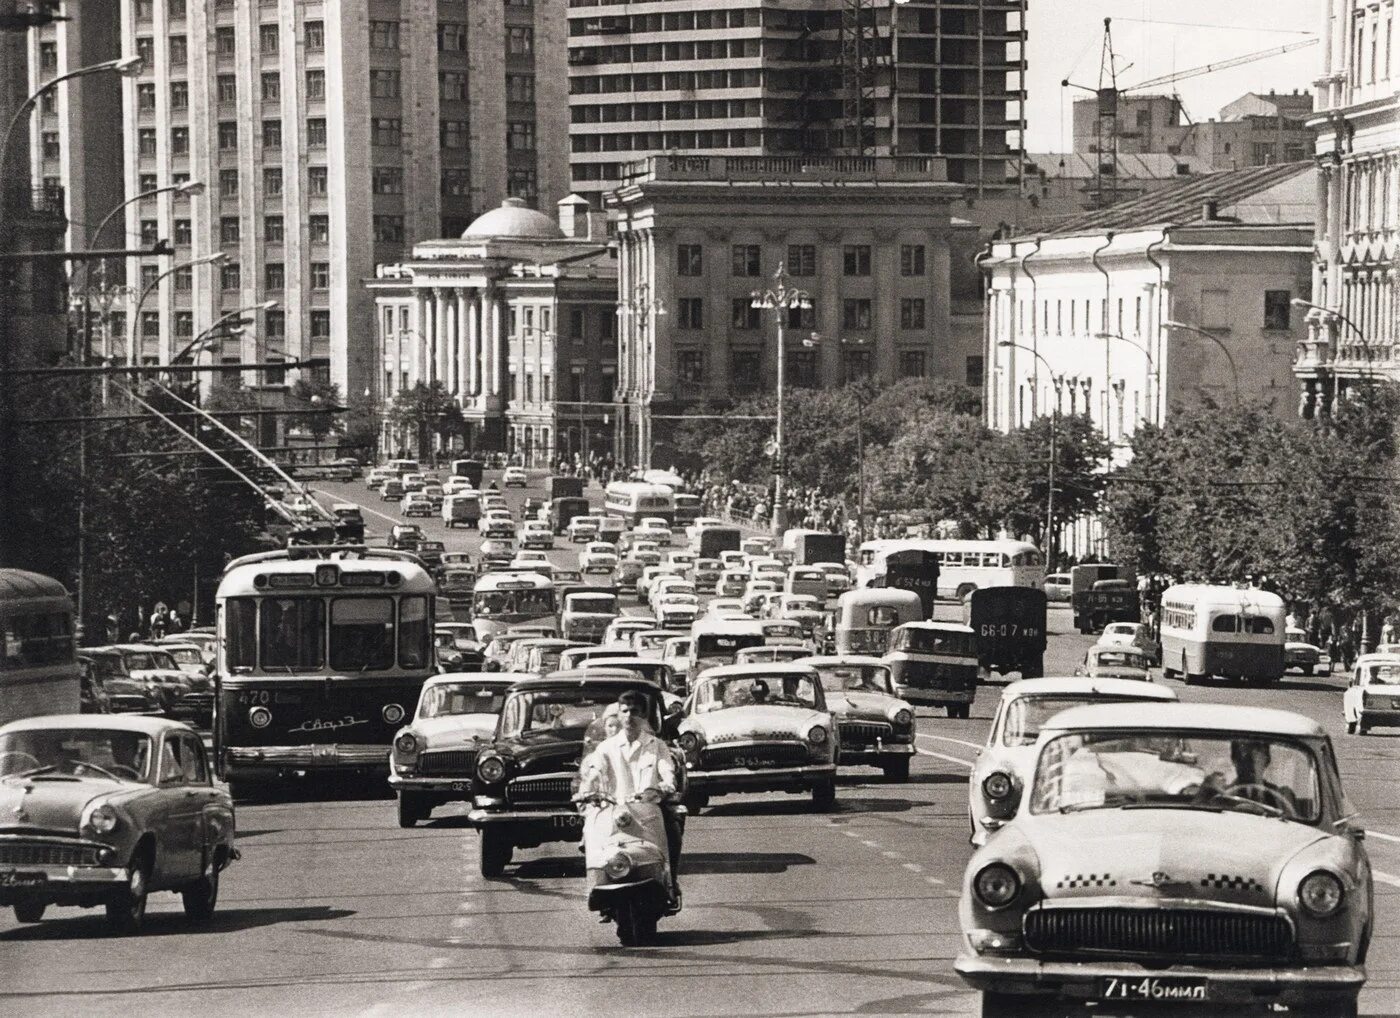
119	703
773	754
447	762
864	732
524	791
1157	933
47	855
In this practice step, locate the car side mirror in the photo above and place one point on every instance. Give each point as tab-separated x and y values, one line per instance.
1349	826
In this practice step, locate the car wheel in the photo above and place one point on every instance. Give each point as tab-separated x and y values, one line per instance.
496	850
1351	727
1362	728
29	911
126	910
824	796
411	809
200	897
896	768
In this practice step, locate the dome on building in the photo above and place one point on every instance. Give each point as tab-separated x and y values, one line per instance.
513	221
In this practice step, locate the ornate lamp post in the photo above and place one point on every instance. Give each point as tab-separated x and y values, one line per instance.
780	297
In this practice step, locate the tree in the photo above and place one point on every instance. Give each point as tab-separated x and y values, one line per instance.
428	410
315	394
1020	488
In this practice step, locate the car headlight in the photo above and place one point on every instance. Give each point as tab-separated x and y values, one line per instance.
491	770
617	867
904	717
392	713
690	742
1320	894
406	744
996	785
817	736
102	819
996	885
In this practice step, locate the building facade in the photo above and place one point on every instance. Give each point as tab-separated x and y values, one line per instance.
1354	325
869	239
1150	305
824	77
517	320
328	136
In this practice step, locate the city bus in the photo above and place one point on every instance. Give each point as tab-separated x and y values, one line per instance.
687	510
321	653
38	663
1226	631
632	500
504	599
963	566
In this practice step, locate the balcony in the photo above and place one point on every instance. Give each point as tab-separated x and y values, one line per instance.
720	169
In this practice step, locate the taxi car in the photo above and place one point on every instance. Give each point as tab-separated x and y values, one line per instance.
501	527
1372	697
104	810
648	553
433	756
875	727
652	530
1188	854
597	559
583	528
676	609
1301	654
526	777
1115	661
124	693
1133	634
514	477
732	583
587	612
1004	764
536	534
759	728
413	482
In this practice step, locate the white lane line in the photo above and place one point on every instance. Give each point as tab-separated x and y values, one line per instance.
892	855
945	738
869	844
934	881
944	756
1386	878
913	867
1384	837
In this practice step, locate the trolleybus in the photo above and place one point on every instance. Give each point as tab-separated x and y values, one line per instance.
1225	631
38	666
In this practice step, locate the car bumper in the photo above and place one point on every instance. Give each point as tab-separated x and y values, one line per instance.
536	825
1078	979
874	751
768	779
459	787
934	697
256	761
60	885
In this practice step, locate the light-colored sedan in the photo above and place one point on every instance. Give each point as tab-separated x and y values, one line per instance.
498	527
1116	661
597	559
1372	697
535	534
1132	634
1003	764
654	532
1182	853
514	477
415	503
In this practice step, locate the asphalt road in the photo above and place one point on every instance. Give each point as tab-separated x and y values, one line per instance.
335	910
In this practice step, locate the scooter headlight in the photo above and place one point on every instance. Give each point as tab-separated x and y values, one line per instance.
617	867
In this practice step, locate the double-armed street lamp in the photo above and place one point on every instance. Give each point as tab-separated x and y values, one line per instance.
780	298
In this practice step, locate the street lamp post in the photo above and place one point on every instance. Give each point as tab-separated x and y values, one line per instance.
1058	381
780	298
137	329
1197	330
1153	376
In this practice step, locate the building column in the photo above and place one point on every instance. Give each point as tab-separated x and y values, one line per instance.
473	320
490	338
418	371
459	333
440	335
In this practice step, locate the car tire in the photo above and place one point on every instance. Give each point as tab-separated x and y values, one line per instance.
896	769
126	909
29	911
1351	727
412	809
1362	728
824	796
496	851
200	897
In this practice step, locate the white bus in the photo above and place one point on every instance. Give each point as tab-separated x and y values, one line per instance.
1224	631
633	500
963	566
504	599
38	668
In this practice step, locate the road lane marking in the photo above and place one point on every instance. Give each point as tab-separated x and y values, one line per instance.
944	756
945	738
913	867
934	881
1386	878
1384	837
892	855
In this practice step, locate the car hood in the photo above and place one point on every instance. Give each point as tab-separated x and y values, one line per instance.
1186	853
55	803
737	724
162	675
456	731
854	703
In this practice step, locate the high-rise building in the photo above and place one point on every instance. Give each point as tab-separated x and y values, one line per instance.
824	77
330	135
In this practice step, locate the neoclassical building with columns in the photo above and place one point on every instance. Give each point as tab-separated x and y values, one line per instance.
517	319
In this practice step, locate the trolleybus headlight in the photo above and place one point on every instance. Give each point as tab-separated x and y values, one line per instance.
260	717
491	770
996	886
1320	894
406	744
996	785
393	713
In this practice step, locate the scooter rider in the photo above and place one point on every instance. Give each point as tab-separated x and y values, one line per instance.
635	765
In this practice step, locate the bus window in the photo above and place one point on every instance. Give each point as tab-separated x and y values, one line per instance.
240	633
293	633
35	639
998	559
882	615
1259	626
362	634
953	558
1224	624
414	632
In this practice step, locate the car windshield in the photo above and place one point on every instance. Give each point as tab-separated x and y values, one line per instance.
1191	770
756	690
934	641
598	603
187	656
76	751
108	666
650	641
1381	675
1119	659
561	713
849	678
139	660
446	698
1026	714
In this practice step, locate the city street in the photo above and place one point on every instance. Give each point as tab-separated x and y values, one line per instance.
334	909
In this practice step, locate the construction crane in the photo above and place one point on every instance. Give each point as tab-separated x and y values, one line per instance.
1108	93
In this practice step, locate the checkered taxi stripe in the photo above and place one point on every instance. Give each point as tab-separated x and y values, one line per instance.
1088	880
1221	881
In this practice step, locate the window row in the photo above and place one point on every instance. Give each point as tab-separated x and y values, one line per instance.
682	21
746	260
274	322
857	313
318	230
666	81
689	109
667	52
802	367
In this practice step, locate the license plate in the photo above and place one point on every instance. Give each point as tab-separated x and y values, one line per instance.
19	878
755	763
569	821
459	786
1164	988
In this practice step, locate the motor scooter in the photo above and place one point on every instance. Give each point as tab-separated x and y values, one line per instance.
632	888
